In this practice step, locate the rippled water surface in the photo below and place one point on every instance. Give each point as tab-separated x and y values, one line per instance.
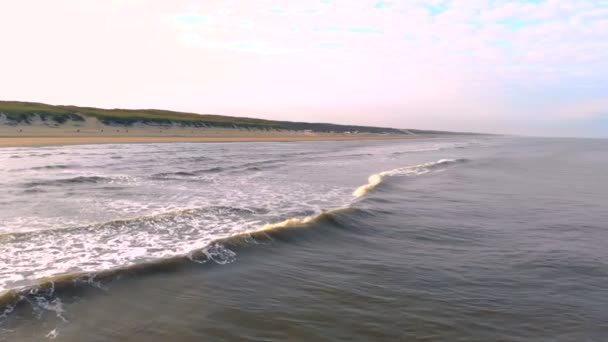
466	238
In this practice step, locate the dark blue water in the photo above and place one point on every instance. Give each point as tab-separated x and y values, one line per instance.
479	239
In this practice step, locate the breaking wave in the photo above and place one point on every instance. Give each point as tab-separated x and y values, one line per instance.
303	221
165	175
69	181
154	230
416	170
212	170
437	147
47	167
42	294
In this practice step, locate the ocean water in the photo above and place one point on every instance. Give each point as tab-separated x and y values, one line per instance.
458	238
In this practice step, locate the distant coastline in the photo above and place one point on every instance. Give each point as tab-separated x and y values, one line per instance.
37	124
52	141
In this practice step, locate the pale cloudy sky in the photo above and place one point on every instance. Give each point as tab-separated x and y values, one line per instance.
507	66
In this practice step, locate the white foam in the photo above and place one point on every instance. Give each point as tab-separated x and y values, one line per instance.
53	334
56	233
122	243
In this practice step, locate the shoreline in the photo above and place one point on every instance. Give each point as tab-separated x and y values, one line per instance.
38	141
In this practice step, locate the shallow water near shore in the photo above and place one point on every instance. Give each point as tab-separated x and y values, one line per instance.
471	238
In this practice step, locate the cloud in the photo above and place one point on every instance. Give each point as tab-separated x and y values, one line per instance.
329	46
192	19
365	30
436	9
382	4
414	61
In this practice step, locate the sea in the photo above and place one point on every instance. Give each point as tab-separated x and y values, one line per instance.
446	238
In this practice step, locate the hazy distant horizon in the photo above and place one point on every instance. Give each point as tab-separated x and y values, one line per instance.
317	121
525	67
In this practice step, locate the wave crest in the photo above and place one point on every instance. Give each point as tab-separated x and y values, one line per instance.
68	181
416	170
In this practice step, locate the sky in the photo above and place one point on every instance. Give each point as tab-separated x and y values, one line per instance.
532	67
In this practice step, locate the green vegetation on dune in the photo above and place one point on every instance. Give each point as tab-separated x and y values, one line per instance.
25	112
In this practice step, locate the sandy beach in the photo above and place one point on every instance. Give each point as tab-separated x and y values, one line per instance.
93	132
50	141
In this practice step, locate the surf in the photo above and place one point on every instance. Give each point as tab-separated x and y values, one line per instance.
214	248
416	170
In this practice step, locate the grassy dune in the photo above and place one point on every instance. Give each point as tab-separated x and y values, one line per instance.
25	112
